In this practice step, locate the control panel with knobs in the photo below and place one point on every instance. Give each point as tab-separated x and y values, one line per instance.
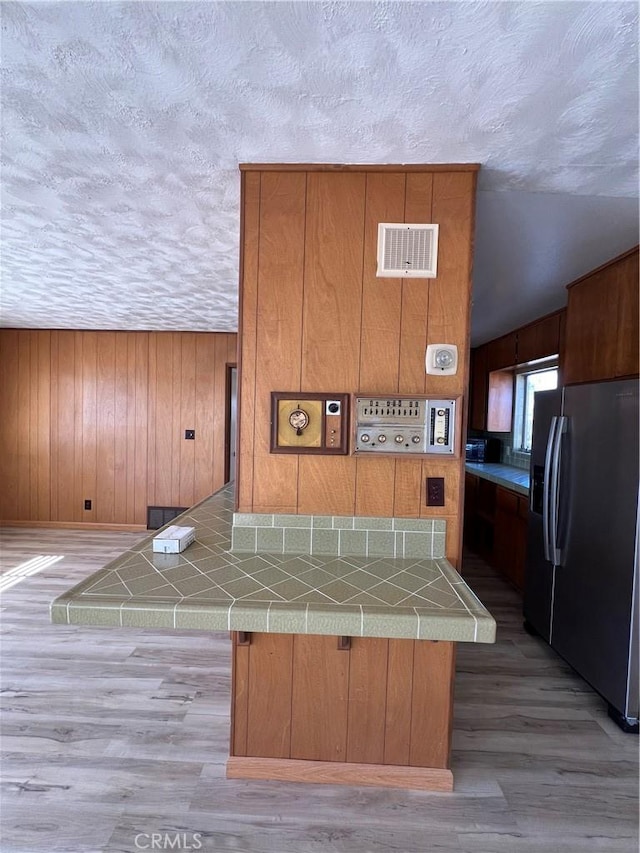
415	425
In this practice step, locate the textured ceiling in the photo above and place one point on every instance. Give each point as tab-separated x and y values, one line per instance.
123	125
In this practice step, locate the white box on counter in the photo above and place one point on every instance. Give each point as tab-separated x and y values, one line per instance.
174	539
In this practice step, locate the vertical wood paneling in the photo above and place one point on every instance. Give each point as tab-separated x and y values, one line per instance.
319	699
408	494
279	327
89	437
240	698
333	281
141	419
63	434
432	703
247	376
106	428
367	700
375	483
269	702
326	484
218	405
82	420
204	385
77	512
358	332
397	739
186	392
24	418
123	403
43	426
381	297
450	292
152	405
174	421
162	423
9	424
331	323
415	292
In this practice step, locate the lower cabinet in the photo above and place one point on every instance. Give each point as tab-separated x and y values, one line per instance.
495	527
361	700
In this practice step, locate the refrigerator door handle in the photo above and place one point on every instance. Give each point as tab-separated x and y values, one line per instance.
546	492
554	491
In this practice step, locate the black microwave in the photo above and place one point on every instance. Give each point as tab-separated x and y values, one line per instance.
476	449
483	450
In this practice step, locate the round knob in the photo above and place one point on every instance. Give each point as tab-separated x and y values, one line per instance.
365	438
333	408
382	438
415	439
441	412
398	439
440	440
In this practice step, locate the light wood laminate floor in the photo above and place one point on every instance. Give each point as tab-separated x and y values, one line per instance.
110	736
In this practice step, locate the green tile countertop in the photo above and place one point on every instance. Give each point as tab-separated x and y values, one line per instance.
516	479
209	587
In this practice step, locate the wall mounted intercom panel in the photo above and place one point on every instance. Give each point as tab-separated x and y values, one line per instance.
408	424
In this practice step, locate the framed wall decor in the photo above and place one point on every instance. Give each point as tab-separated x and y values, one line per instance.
309	422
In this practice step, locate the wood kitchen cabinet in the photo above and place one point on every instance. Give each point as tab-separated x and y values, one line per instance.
541	338
491	395
479	385
510	536
502	352
602	323
495	527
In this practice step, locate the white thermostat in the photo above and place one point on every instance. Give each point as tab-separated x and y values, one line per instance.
441	359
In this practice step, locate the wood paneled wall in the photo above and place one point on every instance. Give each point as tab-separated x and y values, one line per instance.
102	415
314	317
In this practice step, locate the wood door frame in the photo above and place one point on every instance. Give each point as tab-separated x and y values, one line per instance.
227	418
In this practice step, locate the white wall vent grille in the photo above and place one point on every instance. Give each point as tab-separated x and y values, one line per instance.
409	251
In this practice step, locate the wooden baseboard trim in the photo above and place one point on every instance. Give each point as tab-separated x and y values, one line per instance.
75	525
338	773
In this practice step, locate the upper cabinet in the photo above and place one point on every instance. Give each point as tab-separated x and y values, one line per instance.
492	369
541	339
502	352
602	323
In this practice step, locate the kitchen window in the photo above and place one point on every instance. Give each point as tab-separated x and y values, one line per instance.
527	382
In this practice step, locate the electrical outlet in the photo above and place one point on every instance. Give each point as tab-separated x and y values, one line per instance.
435	491
87	504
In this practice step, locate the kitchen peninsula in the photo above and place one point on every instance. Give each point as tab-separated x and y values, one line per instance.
338	571
342	666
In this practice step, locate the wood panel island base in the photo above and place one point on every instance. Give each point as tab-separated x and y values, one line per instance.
343	666
352	711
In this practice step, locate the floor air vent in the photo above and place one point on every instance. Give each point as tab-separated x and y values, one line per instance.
158	516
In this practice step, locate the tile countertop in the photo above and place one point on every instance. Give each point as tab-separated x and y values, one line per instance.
516	479
209	587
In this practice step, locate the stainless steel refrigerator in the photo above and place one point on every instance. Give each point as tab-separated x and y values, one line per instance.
581	579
